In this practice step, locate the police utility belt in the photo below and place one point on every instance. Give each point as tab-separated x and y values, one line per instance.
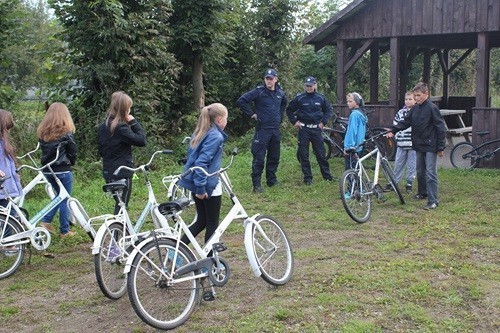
308	125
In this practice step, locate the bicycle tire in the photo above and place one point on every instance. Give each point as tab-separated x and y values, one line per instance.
272	250
338	151
161	303
357	205
389	145
464	156
9	261
108	268
392	179
179	192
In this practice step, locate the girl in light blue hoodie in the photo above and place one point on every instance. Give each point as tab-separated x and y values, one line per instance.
356	130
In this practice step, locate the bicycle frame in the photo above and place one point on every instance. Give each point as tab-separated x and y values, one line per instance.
39	179
362	170
151	207
236	212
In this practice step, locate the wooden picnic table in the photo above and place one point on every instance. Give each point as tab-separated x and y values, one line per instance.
458	131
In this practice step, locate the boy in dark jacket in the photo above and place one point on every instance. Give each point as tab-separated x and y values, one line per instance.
428	137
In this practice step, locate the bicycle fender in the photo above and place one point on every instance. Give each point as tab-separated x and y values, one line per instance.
139	247
248	245
79	214
96	247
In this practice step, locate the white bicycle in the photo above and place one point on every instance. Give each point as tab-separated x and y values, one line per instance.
17	229
39	179
114	237
165	276
357	188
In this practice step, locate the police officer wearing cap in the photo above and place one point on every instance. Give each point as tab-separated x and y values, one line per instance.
269	105
309	112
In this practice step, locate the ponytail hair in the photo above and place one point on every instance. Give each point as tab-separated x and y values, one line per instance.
358	99
207	117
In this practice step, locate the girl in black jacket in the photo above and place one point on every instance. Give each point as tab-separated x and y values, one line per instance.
117	134
55	129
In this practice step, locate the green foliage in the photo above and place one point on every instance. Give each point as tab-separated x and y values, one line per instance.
120	45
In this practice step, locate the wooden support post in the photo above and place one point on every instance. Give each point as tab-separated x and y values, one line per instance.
394	71
341	79
482	70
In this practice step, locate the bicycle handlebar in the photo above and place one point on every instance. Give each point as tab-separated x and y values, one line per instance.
30	152
144	166
373	138
188	171
25	166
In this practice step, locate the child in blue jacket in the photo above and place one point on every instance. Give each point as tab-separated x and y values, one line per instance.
356	130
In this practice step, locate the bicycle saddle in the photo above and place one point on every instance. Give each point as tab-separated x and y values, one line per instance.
118	185
173	206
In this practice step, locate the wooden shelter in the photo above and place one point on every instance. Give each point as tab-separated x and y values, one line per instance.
405	29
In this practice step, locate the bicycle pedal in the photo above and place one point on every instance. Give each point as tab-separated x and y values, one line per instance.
219	247
208	296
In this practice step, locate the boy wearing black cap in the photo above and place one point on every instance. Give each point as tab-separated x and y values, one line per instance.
269	102
309	112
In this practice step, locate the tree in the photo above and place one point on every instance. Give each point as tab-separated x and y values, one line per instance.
120	45
197	27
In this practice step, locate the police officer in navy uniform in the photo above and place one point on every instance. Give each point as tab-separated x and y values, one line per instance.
309	112
269	103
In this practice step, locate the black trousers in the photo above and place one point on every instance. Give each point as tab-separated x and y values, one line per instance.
312	135
266	141
208	212
125	194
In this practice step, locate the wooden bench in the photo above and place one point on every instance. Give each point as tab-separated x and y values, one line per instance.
465	131
458	131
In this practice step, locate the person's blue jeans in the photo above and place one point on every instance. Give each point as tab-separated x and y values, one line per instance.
427	176
66	179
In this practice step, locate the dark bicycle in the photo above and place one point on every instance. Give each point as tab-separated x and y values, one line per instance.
333	139
465	155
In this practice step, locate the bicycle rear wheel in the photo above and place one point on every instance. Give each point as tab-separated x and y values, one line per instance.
189	214
272	250
157	298
108	266
392	179
11	257
356	202
464	156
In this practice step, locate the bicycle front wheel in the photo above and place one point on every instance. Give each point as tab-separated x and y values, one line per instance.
11	257
272	250
356	201
392	179
464	156
159	299
108	265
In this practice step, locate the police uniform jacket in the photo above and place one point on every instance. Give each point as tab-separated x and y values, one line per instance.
270	105
309	108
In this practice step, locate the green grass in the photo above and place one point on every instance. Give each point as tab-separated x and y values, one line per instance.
406	270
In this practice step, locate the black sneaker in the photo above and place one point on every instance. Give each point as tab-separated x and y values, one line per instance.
420	196
273	184
408	187
258	189
308	182
388	188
